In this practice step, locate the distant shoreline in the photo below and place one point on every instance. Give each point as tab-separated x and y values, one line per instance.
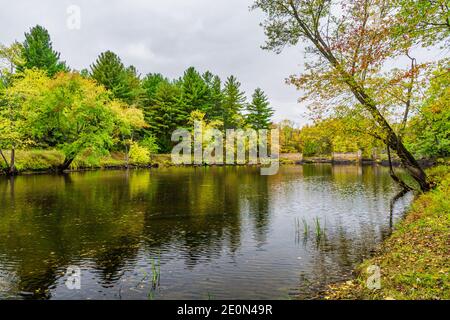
167	164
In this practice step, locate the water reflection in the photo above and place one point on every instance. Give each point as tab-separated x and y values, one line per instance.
221	232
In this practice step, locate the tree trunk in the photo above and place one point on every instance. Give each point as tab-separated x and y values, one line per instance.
4	159
12	163
66	164
394	177
393	141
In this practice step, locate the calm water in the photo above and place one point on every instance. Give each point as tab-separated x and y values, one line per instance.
216	232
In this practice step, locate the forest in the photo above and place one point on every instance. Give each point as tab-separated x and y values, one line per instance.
45	105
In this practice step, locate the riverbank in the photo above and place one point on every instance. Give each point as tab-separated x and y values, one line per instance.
47	161
414	260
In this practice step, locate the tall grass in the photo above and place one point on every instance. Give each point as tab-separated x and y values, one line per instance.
156	273
303	228
155	277
318	229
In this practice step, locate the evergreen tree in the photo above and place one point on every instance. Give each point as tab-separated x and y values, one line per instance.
164	115
149	87
124	83
194	92
135	92
215	96
37	52
259	111
233	102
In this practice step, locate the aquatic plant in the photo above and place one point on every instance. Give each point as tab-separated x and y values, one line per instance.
305	227
156	272
319	231
155	277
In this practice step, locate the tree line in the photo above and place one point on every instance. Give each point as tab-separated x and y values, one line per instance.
109	106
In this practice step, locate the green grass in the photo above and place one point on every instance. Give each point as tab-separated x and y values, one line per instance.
48	160
35	160
414	261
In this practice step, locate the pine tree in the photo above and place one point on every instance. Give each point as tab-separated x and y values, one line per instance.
124	83
135	93
149	87
215	96
259	111
194	92
233	102
37	52
164	115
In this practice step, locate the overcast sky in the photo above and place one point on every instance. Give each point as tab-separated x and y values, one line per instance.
166	36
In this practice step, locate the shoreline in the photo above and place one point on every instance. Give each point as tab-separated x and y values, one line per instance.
413	260
158	166
163	161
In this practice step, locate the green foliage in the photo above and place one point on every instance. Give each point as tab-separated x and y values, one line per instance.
410	20
15	110
109	71
150	143
233	103
37	52
82	120
168	104
194	93
139	155
216	97
36	160
150	85
10	59
259	111
107	108
337	133
316	140
68	112
428	132
165	115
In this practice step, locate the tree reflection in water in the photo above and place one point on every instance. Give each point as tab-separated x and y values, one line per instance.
226	231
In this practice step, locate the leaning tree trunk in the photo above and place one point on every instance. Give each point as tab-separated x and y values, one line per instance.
4	159
394	176
393	141
11	165
65	165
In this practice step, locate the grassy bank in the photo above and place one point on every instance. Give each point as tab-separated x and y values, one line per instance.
48	160
414	261
28	161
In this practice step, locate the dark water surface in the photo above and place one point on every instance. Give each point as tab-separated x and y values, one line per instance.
216	232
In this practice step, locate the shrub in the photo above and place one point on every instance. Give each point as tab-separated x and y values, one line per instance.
139	155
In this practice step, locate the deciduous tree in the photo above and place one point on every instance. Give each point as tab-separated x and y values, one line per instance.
347	47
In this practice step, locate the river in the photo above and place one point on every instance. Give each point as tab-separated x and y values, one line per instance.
191	233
